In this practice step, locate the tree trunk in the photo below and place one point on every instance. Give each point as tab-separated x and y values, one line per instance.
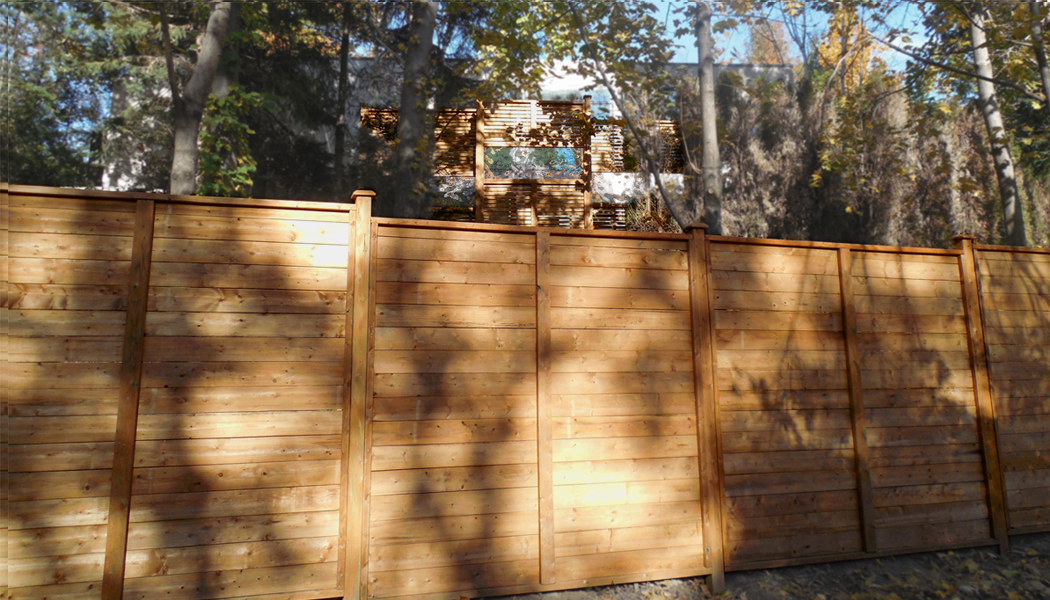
411	164
340	122
1039	48
189	107
711	162
1013	218
692	145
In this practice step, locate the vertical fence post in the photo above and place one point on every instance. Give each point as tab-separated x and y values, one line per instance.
865	495
355	398
128	403
704	386
479	163
544	407
982	387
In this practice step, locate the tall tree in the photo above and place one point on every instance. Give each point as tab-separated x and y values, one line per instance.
188	105
710	160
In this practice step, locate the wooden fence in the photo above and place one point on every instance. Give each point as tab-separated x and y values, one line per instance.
211	398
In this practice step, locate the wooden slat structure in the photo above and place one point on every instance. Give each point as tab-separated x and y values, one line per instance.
333	405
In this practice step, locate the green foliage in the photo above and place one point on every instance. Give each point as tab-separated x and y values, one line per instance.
226	162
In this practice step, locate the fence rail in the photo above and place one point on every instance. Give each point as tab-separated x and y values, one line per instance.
212	398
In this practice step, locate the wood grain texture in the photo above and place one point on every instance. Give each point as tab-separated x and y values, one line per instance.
544	408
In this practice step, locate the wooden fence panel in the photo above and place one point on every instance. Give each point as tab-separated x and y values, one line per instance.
926	463
790	479
237	472
454	506
1016	307
69	267
627	503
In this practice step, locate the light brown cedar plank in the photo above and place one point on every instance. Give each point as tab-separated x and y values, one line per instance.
196	505
993	302
793	420
790	283
925	514
789	483
252	374
461	527
221	325
1018	336
60	375
780	360
620	278
932	535
622	427
1035	518
223	451
669	446
615	318
899	266
387	458
746	507
1007	354
79	568
921	436
1037	371
454	384
245	228
61	430
919	398
778	341
218	531
629	258
918	376
403	557
64	272
452	479
435	338
778	321
1028	461
630	383
69	512
752	528
602	541
172	480
429	271
904	360
69	246
756	381
64	349
929	494
611	471
452	432
775	302
911	417
238	425
454	504
568	497
1037	405
587	340
810	262
230	557
236	214
60	457
1020	389
448	294
247	276
620	361
867	323
443	579
61	591
1021	480
471	317
912	288
789	461
732	400
892	305
618	242
57	541
596	297
480	251
925	455
249	253
739	552
189	300
454	361
57	323
431	408
599	405
1029	498
1024	442
883	342
26	296
925	475
232	584
190	400
59	484
622	563
47	219
764	441
387	231
1031	267
1014	285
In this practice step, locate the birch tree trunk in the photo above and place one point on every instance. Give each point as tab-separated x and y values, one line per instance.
1013	218
411	164
710	159
1039	49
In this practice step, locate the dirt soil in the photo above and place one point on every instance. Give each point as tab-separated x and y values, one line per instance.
979	573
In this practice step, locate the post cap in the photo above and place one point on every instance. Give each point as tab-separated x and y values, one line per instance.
692	226
964	236
362	194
